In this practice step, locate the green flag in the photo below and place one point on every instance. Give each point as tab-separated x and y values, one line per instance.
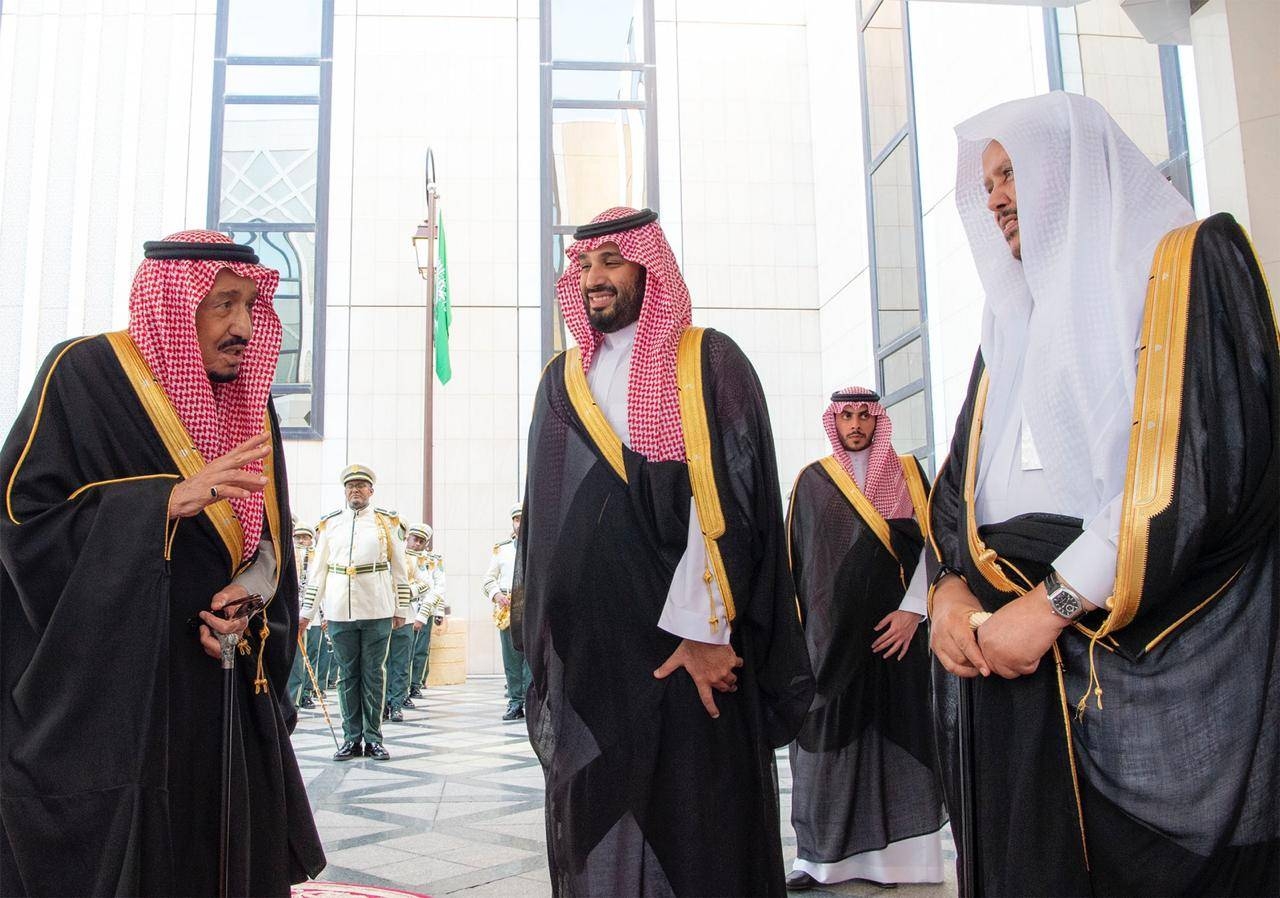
443	313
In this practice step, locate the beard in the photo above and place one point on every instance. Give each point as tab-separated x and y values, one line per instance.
220	378
624	310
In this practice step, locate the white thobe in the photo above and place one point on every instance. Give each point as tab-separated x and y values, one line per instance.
689	609
1015	483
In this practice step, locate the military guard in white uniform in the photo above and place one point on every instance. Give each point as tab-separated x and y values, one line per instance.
426	581
359	582
299	683
497	589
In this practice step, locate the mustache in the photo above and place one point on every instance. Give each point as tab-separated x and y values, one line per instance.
1005	214
606	291
233	341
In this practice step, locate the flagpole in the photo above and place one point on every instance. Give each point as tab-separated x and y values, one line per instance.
428	390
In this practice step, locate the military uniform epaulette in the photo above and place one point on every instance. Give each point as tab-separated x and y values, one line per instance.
324	521
394	517
499	545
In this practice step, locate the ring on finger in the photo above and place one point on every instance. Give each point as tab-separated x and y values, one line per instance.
213	491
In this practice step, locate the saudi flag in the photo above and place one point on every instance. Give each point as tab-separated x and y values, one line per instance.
443	311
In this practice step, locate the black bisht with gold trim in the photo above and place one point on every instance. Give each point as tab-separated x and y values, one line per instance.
871	719
109	707
1172	786
645	792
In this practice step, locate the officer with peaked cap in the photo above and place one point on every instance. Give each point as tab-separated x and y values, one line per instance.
497	588
359	582
426	580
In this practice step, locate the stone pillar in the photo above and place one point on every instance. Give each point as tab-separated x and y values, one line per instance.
1238	79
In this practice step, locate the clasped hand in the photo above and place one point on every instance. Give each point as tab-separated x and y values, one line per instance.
217	623
710	666
1010	643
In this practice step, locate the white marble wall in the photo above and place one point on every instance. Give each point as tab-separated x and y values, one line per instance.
104	143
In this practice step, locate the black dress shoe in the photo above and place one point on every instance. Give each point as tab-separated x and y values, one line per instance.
514	712
397	716
415	692
386	712
348	751
306	703
377	752
799	881
408	703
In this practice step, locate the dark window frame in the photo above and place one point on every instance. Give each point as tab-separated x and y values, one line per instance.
320	228
873	158
550	230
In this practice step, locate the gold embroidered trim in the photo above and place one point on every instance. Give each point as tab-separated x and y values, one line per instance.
97	483
608	442
861	504
916	489
791	505
1157	418
1071	751
697	448
175	438
1163	634
986	559
35	426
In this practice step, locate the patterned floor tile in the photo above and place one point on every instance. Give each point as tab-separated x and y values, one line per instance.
458	809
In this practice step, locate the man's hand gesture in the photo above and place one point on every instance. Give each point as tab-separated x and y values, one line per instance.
710	666
222	478
899	627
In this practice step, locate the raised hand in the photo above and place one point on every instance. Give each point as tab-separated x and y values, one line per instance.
222	478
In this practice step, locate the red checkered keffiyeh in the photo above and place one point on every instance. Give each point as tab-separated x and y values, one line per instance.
162	322
886	486
653	405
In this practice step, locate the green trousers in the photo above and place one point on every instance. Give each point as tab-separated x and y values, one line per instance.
421	657
361	648
297	677
299	682
398	660
327	670
318	654
515	667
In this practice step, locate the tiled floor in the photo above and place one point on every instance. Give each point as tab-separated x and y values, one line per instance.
458	808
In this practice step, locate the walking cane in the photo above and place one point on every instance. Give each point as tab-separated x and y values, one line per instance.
965	732
227	643
315	686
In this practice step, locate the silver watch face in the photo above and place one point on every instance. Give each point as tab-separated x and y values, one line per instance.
1065	603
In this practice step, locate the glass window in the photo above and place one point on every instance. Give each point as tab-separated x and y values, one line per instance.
275	28
886	74
598	30
274	80
910	429
894	221
269	163
902	367
266	188
599	161
583	84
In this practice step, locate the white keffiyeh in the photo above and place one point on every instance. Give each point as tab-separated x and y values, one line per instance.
1091	209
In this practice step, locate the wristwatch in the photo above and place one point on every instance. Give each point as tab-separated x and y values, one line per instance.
1065	601
942	572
